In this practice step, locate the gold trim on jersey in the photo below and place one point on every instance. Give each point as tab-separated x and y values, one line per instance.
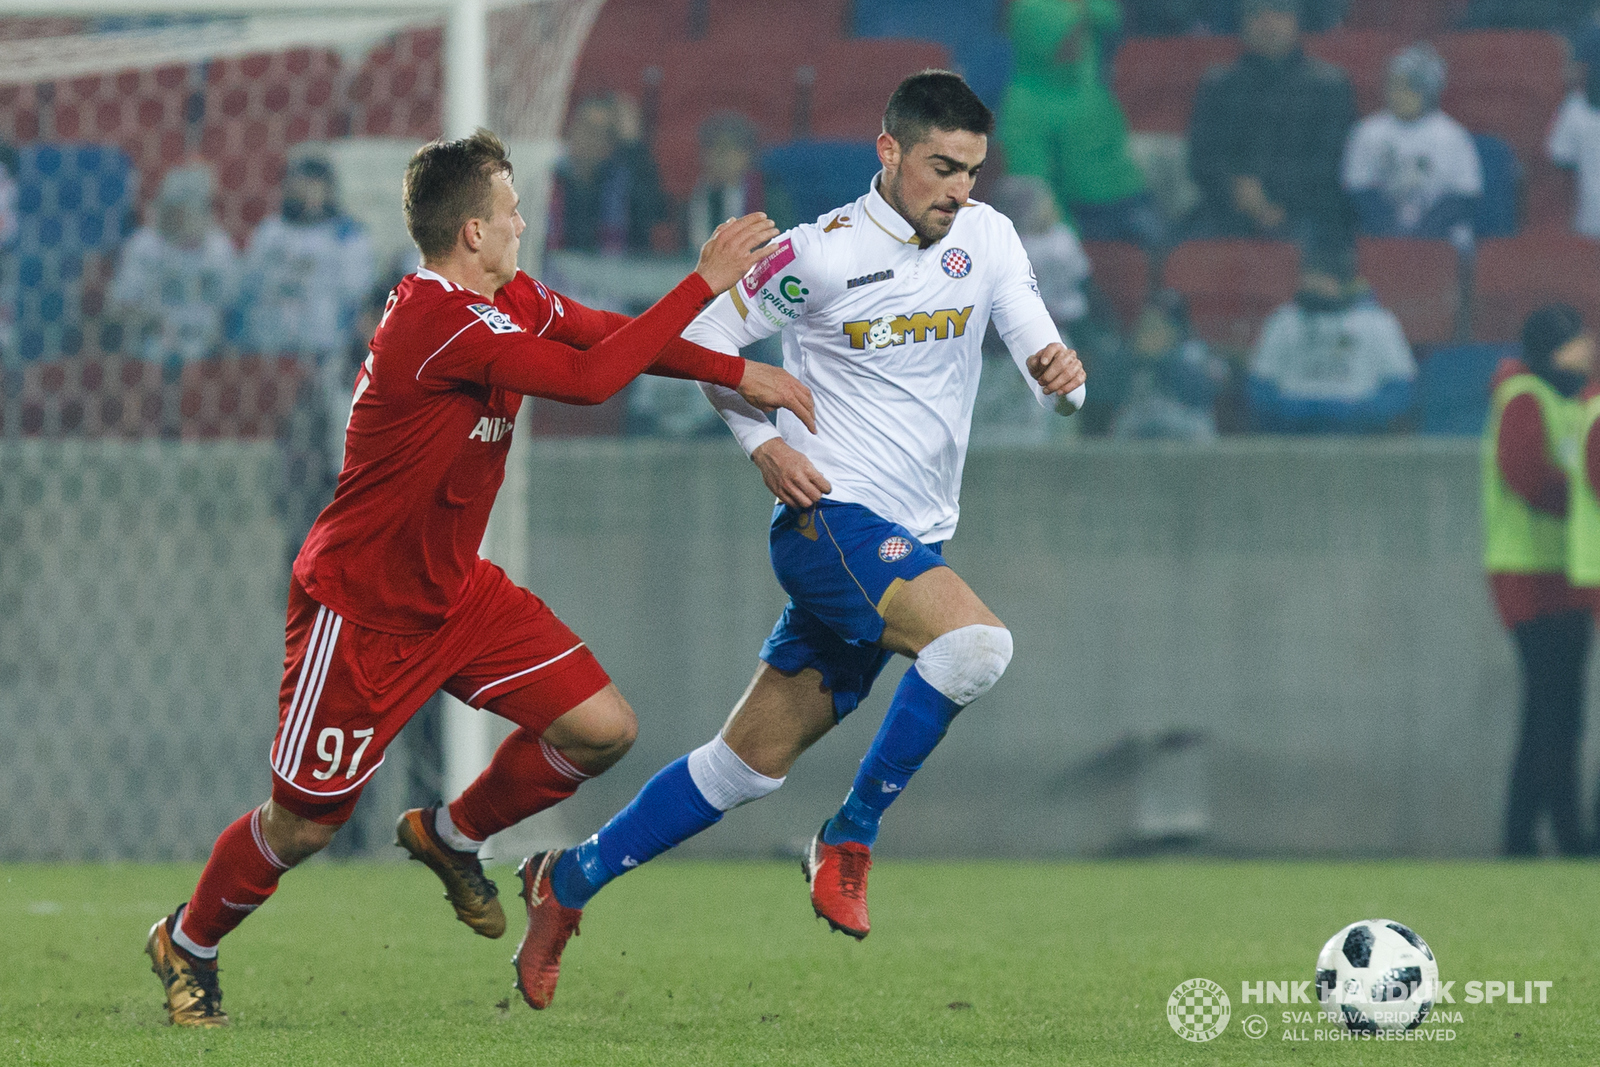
738	302
912	240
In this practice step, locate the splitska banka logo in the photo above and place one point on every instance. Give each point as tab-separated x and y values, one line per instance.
898	329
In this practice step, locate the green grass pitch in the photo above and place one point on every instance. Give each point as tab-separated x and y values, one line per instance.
723	963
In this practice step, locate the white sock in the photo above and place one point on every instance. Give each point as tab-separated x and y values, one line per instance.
450	835
188	944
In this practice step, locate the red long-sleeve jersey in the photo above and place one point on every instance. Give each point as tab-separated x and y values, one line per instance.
435	401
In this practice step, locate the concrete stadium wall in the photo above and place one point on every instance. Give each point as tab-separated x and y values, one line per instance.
1311	614
1303	622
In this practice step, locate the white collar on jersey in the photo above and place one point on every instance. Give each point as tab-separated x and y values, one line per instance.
886	218
891	222
432	276
449	286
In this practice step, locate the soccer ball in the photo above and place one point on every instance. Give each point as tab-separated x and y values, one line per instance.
1377	975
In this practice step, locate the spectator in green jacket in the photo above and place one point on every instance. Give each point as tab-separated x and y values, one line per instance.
1060	122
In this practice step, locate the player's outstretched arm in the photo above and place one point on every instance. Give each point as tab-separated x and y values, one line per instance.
733	249
765	387
770	388
789	474
535	366
1060	374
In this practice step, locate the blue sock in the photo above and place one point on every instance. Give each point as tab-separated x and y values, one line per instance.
669	810
917	720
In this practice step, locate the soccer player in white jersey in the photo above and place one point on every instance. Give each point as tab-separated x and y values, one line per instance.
884	304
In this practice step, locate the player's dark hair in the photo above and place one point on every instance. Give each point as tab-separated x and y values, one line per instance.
449	182
934	100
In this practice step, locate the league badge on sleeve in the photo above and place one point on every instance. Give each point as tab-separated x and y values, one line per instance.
956	262
894	549
497	321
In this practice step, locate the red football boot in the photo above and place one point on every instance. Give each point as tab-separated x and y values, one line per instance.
838	877
550	924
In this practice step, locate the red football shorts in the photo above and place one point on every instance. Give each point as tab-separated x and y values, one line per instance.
348	690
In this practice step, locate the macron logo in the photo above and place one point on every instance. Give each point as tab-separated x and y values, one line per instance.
490	430
890	787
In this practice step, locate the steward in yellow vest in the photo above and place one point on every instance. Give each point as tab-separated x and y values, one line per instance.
1530	447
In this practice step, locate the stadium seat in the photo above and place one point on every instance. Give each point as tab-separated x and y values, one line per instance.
1514	275
88	397
821	175
256	107
75	203
795	27
1507	83
854	80
692	87
1453	388
657	22
1549	197
1122	272
1232	286
985	61
1156	78
398	92
237	396
1414	18
1496	214
1363	55
974	32
1417	280
945	21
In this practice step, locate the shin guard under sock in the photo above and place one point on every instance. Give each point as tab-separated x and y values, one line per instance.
916	722
240	875
669	810
526	776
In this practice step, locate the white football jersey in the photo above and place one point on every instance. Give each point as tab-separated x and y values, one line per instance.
888	336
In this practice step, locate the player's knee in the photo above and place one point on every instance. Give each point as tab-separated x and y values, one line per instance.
725	780
612	734
966	662
294	838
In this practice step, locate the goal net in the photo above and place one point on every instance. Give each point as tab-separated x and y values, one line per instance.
199	218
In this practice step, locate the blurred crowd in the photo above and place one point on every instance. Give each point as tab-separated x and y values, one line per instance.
1275	150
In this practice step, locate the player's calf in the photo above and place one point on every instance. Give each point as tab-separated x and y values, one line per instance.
688	795
951	671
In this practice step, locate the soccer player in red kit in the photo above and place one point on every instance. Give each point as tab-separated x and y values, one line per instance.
390	601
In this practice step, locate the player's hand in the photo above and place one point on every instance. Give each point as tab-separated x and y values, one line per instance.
1057	369
789	474
734	248
770	388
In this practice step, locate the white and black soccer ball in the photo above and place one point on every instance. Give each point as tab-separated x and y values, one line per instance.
1377	974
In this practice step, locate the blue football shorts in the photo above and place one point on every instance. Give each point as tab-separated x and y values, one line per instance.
841	565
